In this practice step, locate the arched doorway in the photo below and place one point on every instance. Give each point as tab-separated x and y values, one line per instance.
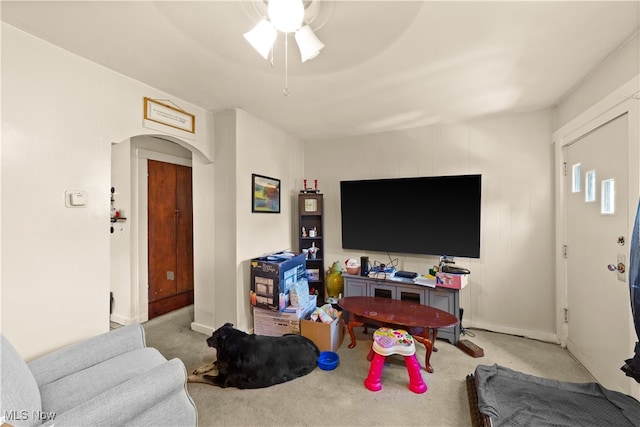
132	281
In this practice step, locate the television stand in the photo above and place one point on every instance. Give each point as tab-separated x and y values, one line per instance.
442	298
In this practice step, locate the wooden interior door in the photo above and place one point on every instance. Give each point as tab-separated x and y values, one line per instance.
170	237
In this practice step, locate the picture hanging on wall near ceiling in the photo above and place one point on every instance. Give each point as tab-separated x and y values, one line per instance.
168	115
265	194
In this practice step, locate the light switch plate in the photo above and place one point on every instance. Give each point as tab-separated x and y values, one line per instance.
75	199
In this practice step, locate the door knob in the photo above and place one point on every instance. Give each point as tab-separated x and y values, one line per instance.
620	268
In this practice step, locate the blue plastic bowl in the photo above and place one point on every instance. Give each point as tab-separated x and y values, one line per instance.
328	360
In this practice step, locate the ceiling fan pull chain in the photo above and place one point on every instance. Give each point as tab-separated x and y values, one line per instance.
286	66
271	57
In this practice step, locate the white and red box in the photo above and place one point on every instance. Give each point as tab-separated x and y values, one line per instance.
277	323
451	281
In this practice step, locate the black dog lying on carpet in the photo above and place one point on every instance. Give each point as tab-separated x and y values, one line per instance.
256	361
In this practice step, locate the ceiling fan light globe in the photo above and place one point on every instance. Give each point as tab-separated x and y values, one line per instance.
286	15
261	37
308	43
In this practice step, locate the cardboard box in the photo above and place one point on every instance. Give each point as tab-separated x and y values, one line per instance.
275	324
327	336
271	277
452	281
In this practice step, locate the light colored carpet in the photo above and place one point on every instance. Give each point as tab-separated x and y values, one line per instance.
339	398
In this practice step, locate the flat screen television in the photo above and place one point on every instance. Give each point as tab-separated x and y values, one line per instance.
431	215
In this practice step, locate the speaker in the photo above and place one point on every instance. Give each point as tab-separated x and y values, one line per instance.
364	265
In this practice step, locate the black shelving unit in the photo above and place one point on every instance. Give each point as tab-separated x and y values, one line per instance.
311	234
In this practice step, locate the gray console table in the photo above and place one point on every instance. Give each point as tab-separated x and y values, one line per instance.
442	298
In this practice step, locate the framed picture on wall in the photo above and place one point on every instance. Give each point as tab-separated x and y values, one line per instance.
265	194
168	115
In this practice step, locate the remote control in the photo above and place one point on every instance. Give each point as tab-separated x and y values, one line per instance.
406	274
454	270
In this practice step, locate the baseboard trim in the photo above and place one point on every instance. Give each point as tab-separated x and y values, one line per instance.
203	329
536	335
121	320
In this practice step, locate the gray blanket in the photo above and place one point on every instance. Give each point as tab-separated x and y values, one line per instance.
511	398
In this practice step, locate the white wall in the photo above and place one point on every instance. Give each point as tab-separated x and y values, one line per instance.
512	285
61	114
50	251
246	145
265	150
619	68
213	307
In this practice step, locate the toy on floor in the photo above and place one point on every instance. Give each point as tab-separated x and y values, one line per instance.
387	341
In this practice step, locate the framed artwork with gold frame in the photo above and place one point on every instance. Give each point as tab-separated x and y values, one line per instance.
163	113
311	204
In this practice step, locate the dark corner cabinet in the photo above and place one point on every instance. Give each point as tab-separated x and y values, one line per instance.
311	232
444	299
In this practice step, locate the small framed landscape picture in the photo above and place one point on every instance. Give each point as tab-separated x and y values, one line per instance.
265	194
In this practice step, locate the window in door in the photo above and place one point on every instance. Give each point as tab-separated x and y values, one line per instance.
576	176
590	183
607	205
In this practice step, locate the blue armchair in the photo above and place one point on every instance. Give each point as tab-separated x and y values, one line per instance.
111	379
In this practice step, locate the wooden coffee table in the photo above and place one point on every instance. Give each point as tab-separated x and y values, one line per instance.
419	320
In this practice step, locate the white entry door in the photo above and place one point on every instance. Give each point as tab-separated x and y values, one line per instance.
599	312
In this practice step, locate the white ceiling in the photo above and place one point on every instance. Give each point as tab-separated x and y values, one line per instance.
386	65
